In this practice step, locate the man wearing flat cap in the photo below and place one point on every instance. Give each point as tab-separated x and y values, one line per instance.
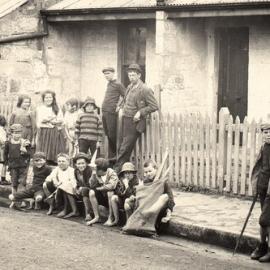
114	91
138	103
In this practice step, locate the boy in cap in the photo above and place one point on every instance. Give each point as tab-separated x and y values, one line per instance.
17	157
125	191
35	191
115	90
261	187
88	128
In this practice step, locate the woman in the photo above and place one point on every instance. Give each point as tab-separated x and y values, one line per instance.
50	135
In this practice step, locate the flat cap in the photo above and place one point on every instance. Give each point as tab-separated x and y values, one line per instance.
16	128
265	126
109	69
128	167
134	67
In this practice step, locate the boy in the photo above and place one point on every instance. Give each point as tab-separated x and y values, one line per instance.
40	171
17	157
88	129
261	187
154	203
125	191
114	91
82	174
102	185
62	178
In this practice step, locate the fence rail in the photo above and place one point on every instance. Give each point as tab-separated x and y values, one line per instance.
205	152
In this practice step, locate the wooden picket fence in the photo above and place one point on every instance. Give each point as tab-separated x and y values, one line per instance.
205	153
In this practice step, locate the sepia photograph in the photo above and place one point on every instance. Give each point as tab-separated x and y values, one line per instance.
134	134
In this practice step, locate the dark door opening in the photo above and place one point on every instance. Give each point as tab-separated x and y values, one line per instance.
132	47
233	46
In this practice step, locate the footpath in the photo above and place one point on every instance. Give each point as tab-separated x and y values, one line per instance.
212	219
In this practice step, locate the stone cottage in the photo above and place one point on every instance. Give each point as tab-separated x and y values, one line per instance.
198	55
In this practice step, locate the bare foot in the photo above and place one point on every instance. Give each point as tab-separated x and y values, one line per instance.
62	214
109	222
50	211
93	221
12	205
113	223
72	214
87	217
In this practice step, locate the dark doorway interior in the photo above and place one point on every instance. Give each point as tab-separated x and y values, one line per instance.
233	45
132	47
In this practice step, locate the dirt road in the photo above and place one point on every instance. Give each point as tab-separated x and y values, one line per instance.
35	241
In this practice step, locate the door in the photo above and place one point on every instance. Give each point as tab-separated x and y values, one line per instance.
133	47
233	46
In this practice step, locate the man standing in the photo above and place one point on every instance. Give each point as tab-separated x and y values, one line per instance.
109	109
138	102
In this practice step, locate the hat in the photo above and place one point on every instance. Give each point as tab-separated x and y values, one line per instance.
81	155
16	128
109	69
265	126
134	67
39	155
89	100
128	167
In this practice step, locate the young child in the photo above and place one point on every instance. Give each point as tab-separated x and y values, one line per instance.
154	203
70	118
22	115
82	174
124	191
17	157
62	178
261	187
102	185
89	128
35	191
3	139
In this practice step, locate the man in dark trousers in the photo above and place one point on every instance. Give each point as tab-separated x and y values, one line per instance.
114	91
138	102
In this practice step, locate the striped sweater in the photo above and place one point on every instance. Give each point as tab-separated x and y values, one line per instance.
89	127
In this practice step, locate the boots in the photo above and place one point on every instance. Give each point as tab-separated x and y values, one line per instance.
259	252
266	257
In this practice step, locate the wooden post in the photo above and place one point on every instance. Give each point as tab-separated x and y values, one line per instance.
222	146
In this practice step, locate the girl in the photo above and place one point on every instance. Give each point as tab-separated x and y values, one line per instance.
3	139
82	174
125	192
70	118
50	134
22	115
89	128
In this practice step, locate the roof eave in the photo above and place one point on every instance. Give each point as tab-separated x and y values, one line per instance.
194	7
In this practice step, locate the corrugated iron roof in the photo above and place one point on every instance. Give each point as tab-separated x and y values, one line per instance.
7	6
211	2
95	4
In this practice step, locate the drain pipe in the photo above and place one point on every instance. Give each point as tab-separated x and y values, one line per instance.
33	35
